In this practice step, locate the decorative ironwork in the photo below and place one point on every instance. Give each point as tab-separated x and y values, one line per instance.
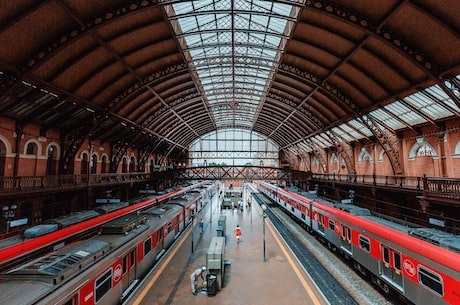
238	173
387	140
344	149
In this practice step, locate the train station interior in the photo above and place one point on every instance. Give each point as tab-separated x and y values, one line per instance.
104	102
353	98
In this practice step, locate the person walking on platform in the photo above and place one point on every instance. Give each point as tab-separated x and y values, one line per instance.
194	278
237	233
201	226
248	203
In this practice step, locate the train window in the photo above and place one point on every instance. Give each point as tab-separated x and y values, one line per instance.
397	260
125	264
364	243
386	255
430	280
169	227
103	284
346	233
331	224
303	216
132	256
147	246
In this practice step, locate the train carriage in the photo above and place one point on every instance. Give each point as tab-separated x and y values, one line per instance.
102	269
421	264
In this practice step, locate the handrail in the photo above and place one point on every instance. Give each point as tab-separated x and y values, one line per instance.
39	183
431	187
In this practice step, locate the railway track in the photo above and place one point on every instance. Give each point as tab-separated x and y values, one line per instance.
331	288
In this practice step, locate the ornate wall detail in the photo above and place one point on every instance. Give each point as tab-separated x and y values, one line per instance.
345	150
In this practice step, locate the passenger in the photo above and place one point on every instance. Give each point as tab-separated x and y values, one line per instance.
194	278
237	233
201	226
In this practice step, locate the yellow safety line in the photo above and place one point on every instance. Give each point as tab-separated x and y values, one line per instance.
299	274
160	270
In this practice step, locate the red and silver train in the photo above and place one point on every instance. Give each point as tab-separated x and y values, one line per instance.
421	264
60	230
102	269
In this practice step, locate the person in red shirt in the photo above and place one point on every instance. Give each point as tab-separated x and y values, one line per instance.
237	233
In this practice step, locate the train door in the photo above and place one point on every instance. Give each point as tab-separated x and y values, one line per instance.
129	269
176	225
160	239
390	266
321	223
346	239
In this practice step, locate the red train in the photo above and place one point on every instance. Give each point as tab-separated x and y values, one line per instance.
22	246
421	264
105	268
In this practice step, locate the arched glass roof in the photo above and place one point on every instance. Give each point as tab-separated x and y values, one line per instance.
233	49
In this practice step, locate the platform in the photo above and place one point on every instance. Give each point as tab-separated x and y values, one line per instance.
250	277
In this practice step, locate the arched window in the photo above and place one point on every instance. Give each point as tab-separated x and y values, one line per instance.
132	165
31	149
2	158
424	151
84	163
104	164
364	155
51	162
94	164
334	159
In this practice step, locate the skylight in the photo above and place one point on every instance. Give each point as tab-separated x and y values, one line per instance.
234	48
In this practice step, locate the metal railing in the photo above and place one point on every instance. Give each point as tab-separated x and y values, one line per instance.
36	183
431	187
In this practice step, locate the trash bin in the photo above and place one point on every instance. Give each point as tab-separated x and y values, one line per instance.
211	280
